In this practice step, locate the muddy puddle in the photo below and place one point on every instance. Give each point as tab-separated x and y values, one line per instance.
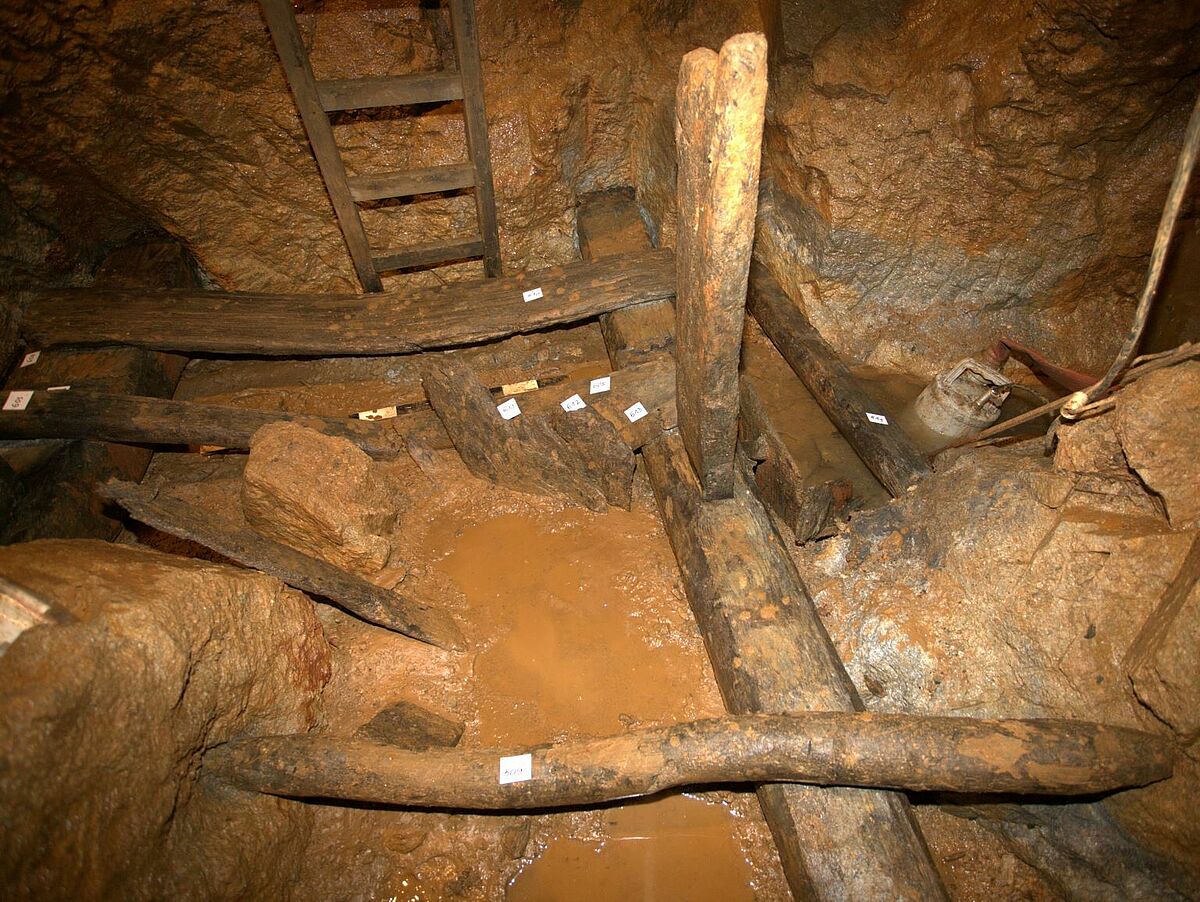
586	633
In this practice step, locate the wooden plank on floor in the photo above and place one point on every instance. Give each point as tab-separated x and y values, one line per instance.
718	134
391	322
361	598
100	416
771	654
884	447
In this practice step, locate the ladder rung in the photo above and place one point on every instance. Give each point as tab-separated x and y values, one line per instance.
395	90
411	181
429	254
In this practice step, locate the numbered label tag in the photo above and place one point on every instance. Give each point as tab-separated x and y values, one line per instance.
604	383
509	409
31	358
877	418
516	768
379	413
519	388
636	412
532	294
17	400
573	403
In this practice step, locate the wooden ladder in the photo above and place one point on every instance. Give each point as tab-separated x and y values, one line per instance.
317	99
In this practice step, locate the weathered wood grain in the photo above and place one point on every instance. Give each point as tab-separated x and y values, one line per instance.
361	598
391	322
410	726
771	654
958	754
718	135
102	416
886	450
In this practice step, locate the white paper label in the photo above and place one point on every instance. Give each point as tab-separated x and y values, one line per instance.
532	294
516	768
18	400
604	383
59	388
573	403
636	412
519	388
509	409
877	418
379	413
31	358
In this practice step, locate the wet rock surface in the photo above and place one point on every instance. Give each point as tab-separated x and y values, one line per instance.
1014	584
104	723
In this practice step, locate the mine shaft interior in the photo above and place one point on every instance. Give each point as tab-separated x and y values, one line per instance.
566	450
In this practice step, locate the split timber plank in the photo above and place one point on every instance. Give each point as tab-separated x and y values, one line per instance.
523	453
410	182
610	223
718	136
390	322
886	450
771	654
130	419
807	510
363	599
957	754
410	726
827	839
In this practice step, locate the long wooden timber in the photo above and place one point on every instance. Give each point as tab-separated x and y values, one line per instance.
833	843
883	447
363	599
389	322
101	416
956	754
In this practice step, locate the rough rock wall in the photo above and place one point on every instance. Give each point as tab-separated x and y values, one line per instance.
940	171
103	724
176	115
1010	585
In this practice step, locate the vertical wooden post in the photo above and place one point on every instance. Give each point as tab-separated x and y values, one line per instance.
282	22
466	42
719	109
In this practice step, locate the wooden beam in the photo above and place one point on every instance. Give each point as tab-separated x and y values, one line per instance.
807	510
770	653
359	597
610	223
956	754
466	43
393	90
885	449
718	135
408	182
290	46
394	322
431	253
100	416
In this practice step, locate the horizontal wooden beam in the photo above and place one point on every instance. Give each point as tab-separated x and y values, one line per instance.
885	448
363	599
99	416
956	754
391	322
429	254
407	182
395	90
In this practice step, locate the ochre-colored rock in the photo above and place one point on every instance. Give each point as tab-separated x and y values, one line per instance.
1004	586
1158	419
319	494
104	724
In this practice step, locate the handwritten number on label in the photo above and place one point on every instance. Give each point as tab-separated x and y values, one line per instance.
573	403
516	768
877	418
636	412
604	383
532	294
509	409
